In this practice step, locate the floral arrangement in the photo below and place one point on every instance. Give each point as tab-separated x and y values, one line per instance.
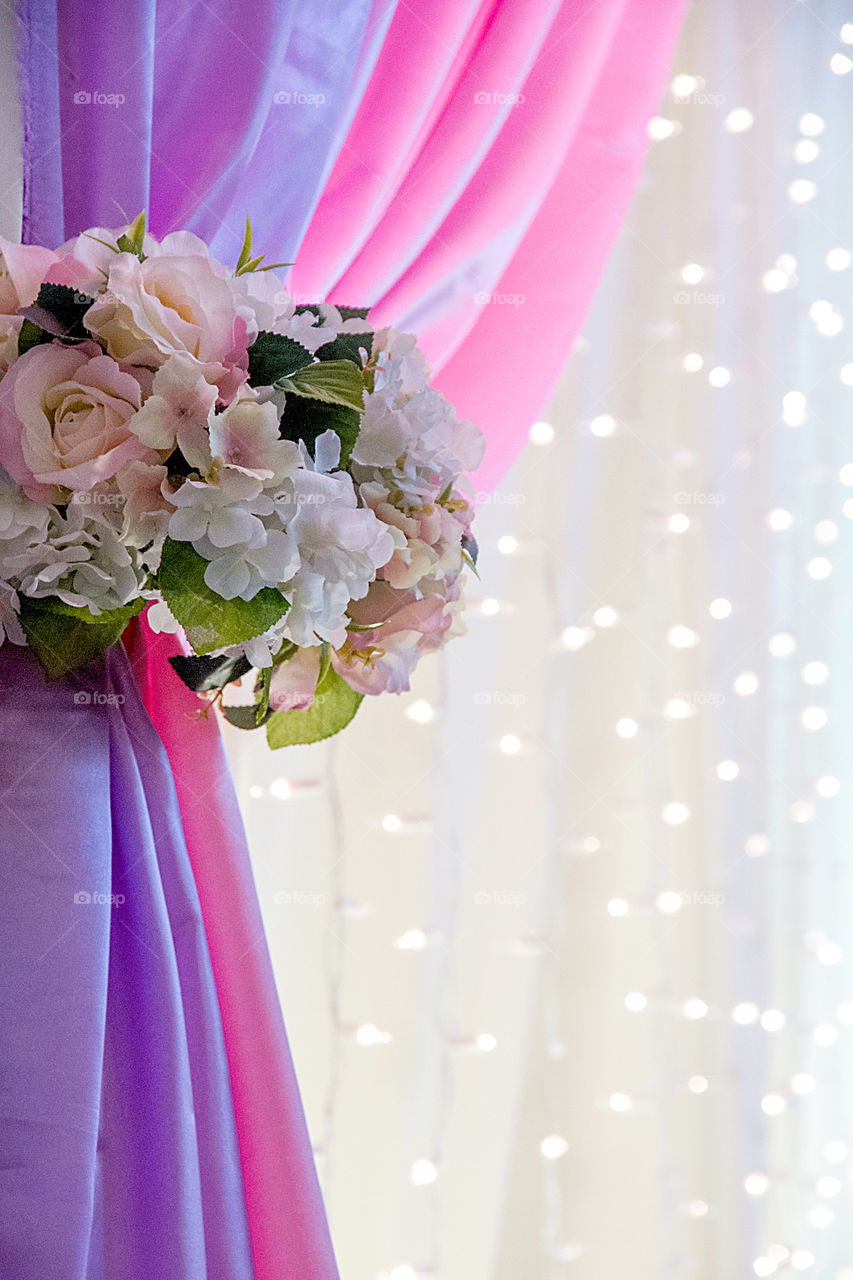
278	481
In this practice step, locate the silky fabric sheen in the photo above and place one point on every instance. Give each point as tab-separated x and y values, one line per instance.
118	1147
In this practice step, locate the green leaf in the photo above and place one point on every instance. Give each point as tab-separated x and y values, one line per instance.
334	705
203	675
353	313
256	714
347	346
332	382
210	621
133	238
59	311
272	356
63	637
245	251
307	419
31	335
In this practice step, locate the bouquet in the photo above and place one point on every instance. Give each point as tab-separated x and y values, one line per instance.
279	482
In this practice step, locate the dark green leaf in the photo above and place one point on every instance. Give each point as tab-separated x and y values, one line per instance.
31	335
210	621
334	706
347	346
272	356
60	310
63	637
354	313
203	675
334	382
308	419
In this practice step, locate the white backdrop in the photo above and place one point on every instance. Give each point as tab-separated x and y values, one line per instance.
696	858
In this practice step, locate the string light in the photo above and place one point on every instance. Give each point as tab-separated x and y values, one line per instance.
794	409
553	1147
746	684
773	1020
507	545
773	1104
574	638
740	120
510	744
602	426
605	617
838	259
627	728
423	1173
802	190
620	1102
693	362
421	712
745	1014
635	1002
812	125
756	1184
681	637
679	523
675	813
727	770
756	845
542	433
719	376
720	608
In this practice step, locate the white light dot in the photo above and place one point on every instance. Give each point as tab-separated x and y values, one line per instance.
803	1083
510	744
694	1009
811	125
683	85
602	426
756	845
617	907
825	1035
490	606
764	1266
773	1104
847	379
847	33
755	1184
787	262
829	953
422	1173
802	1259
773	1020
719	376
802	190
827	787
794	409
693	362
679	709
828	1186
821	1217
775	280
627	728
280	788
806	150
778	519
720	608
801	811
421	711
840	64
746	684
507	545
838	259
727	770
404	1272
574	638
814	718
681	637
675	813
830	325
391	823
590	844
368	1034
411	940
255	791
542	433
815	673
844	1014
847	509
692	273
669	902
745	1013
826	532
835	1152
697	1208
820	309
606	616
739	120
697	1084
679	523
819	568
781	645
553	1146
635	1002
486	1042
659	128
620	1102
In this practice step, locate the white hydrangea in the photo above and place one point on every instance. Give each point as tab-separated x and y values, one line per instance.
82	561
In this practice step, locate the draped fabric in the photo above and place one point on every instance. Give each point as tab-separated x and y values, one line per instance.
118	1149
478	120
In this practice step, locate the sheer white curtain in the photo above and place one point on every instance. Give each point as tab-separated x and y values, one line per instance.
632	779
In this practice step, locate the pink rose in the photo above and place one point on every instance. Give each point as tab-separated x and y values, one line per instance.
23	268
382	659
171	305
428	538
64	420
